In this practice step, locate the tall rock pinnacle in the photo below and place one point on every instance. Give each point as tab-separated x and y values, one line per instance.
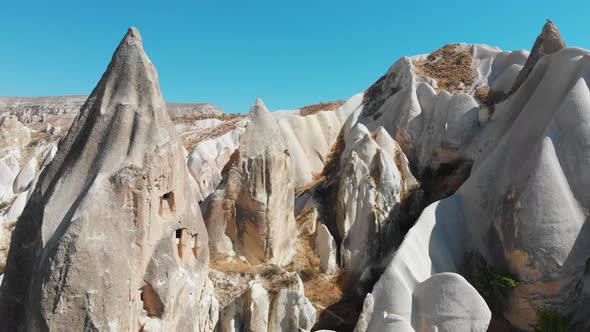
549	41
254	204
112	237
265	222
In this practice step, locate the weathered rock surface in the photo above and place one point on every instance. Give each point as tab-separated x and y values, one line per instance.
192	109
326	250
210	135
448	301
283	307
369	197
15	197
249	312
309	138
427	249
209	157
433	126
524	197
291	311
12	162
16	208
5	231
25	176
548	42
443	302
13	134
112	237
6	182
537	203
39	111
217	210
254	204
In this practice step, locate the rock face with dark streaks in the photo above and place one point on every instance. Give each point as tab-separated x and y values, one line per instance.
374	177
112	237
253	206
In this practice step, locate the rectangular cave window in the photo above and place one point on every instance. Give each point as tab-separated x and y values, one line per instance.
182	237
178	236
167	204
186	243
195	245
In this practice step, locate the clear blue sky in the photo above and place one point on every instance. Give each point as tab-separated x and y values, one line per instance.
289	53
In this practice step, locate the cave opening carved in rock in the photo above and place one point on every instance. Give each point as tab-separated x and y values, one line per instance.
195	245
185	243
167	204
151	301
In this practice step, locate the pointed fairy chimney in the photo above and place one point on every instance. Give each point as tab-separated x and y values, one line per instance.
112	237
258	193
548	42
552	40
262	133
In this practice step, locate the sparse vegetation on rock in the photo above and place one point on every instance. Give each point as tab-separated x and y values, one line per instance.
551	321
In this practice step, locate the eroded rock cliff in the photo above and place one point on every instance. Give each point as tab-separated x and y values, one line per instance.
112	237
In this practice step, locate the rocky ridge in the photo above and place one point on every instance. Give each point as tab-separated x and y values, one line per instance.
60	111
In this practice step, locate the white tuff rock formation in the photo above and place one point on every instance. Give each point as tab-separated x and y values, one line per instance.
309	138
209	157
326	249
374	174
257	310
6	182
291	310
25	176
248	312
253	206
436	124
13	134
112	237
522	210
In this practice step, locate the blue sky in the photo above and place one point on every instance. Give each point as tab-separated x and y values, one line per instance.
289	53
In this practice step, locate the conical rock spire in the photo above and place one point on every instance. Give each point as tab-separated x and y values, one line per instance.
262	133
253	205
112	237
548	42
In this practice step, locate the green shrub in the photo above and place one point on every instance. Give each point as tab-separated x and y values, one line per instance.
491	284
550	321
